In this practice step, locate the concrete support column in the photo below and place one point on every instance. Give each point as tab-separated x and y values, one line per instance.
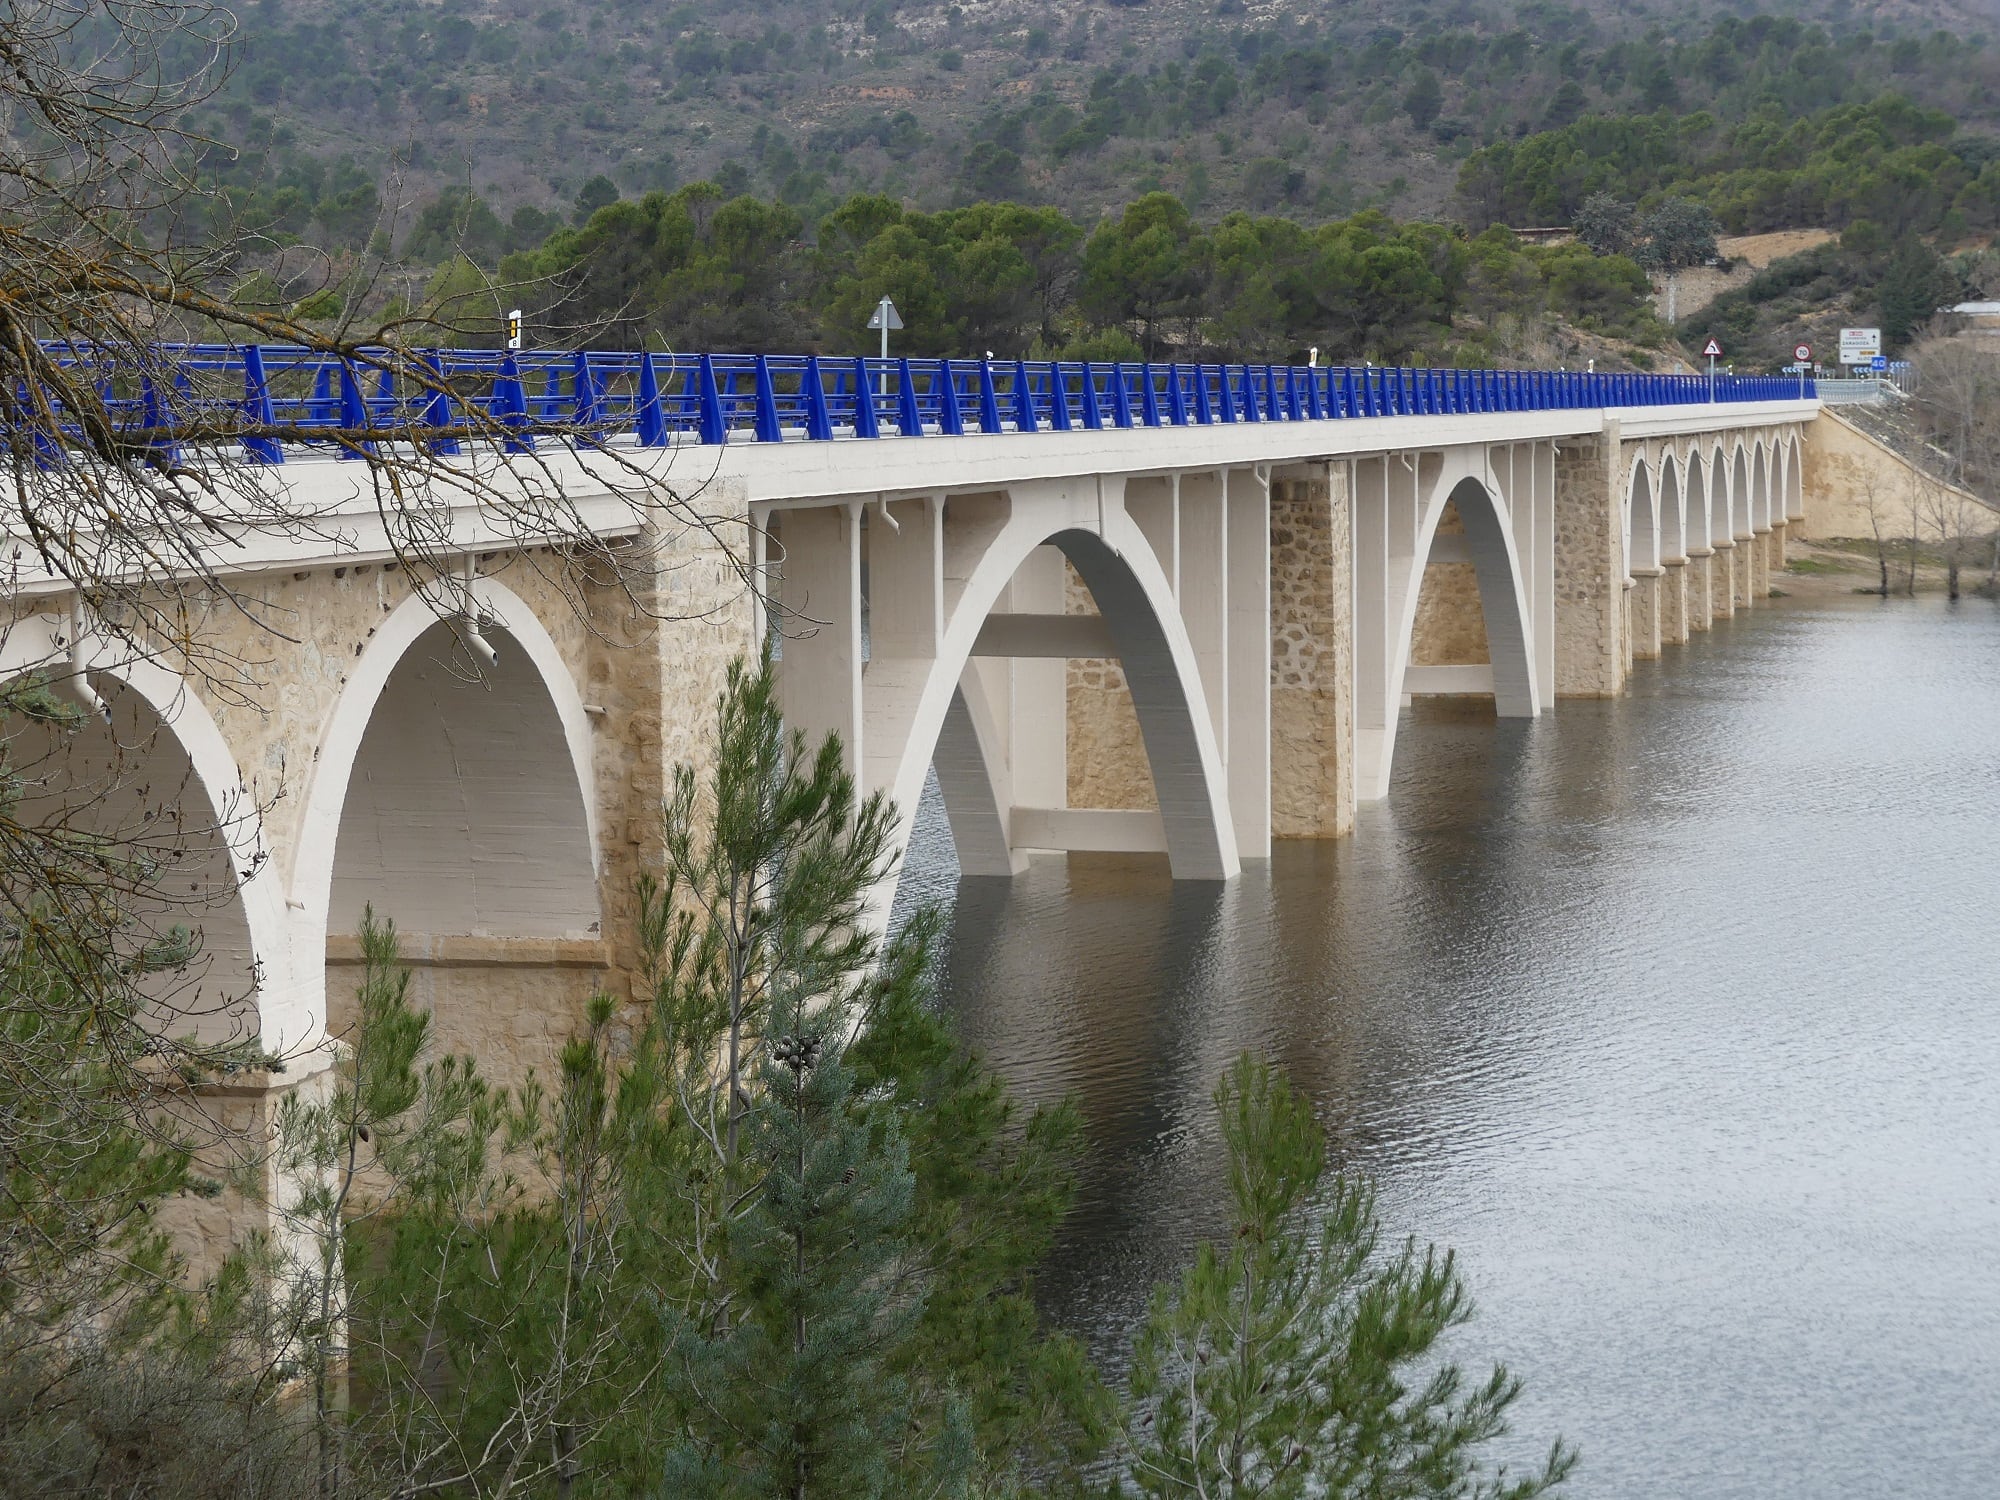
1726	587
1700	588
1779	531
1590	570
1246	735
1646	611
1312	653
1760	564
1204	587
1544	565
1038	717
1674	602
1743	561
1385	504
820	590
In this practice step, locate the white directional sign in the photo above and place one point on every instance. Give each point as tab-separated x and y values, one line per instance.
1859	346
1712	349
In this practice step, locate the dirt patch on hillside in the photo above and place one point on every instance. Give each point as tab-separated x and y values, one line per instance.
1747	254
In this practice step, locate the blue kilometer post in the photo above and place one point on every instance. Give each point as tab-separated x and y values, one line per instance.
271	396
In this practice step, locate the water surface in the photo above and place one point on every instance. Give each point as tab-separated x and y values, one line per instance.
1676	1015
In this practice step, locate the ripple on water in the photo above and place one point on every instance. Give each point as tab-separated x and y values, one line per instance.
1675	1014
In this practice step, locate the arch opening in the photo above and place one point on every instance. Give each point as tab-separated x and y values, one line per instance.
1026	593
182	845
1485	543
458	797
463	814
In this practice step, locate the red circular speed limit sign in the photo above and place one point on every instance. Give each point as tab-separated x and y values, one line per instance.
1802	353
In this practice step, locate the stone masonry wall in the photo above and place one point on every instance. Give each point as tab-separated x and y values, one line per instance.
1590	592
1450	626
1312	653
1107	752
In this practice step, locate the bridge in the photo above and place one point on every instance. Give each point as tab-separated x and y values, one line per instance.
1167	609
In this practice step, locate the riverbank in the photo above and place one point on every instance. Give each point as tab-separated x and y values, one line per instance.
1831	569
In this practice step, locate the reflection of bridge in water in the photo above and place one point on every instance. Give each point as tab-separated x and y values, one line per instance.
1161	608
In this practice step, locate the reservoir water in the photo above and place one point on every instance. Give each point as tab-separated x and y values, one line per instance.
1678	1016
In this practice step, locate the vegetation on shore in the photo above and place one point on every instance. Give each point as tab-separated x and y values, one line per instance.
768	1232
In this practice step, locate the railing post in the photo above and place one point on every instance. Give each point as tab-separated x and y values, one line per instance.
1121	399
708	398
509	405
1059	418
951	421
257	407
909	420
989	400
585	407
812	396
438	413
1024	400
768	428
651	417
1204	409
1149	403
865	423
1177	407
1093	414
353	414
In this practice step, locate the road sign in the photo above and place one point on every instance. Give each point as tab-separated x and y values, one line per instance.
1802	353
1712	349
1879	362
885	317
1859	346
514	329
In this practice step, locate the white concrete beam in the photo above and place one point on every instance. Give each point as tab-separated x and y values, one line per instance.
1049	636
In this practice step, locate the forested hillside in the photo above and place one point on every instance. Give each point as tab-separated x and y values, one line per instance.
1156	178
350	116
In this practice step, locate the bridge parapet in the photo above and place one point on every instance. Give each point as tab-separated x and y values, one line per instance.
273	398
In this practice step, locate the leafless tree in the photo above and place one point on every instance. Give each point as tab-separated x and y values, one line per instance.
126	488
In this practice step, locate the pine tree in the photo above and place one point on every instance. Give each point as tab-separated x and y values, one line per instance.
1915	284
857	1319
1283	1363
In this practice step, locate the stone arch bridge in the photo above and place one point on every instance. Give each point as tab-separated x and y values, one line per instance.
1113	620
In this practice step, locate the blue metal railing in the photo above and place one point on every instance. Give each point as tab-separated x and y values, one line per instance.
268	396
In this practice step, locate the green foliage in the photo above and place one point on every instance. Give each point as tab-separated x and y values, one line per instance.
1676	234
1886	159
1916	284
1607	224
1150	283
1292	1362
796	107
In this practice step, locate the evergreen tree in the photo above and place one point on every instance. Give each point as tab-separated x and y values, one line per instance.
1288	1363
857	1321
1916	284
1677	233
1423	101
1607	224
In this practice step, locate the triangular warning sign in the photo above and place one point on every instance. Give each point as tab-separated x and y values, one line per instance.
1712	350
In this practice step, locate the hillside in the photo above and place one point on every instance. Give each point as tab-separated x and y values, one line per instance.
356	115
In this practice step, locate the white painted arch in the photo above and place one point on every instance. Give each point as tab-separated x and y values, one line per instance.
40	643
1464	477
946	721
